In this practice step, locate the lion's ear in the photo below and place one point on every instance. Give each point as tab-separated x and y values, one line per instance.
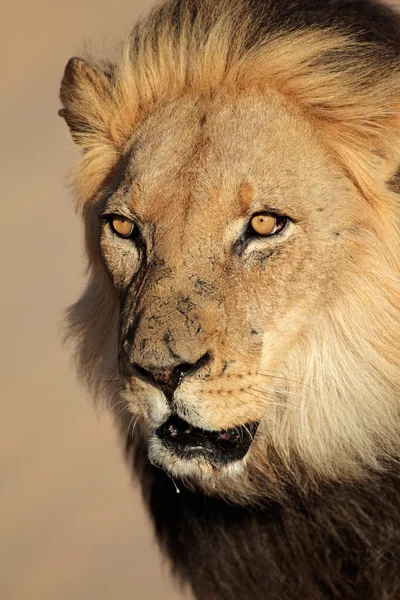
85	93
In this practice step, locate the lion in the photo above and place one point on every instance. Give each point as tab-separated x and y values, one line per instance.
239	190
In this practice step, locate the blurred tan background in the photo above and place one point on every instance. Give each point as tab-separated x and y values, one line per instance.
72	526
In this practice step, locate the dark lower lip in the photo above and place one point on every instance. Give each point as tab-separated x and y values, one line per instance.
219	447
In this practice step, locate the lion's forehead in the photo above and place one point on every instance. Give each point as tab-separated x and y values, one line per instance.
192	157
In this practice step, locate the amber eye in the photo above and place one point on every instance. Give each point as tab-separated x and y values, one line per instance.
122	226
267	224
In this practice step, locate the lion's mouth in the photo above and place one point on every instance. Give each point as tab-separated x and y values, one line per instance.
219	447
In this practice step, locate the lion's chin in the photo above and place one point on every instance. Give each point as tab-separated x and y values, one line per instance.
185	450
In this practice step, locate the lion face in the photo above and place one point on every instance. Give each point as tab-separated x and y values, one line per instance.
209	308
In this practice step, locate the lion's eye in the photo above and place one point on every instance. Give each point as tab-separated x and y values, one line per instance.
122	226
267	224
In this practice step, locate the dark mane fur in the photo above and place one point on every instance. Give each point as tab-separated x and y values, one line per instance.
340	542
367	20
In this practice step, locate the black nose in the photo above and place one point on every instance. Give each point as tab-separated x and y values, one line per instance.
168	379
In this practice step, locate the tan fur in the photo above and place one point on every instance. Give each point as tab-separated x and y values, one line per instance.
310	335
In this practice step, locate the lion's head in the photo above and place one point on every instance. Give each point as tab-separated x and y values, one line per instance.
243	305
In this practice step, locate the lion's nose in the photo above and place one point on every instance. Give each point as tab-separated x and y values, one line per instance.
168	379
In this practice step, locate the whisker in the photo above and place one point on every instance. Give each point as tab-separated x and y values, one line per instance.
188	485
106	404
117	403
239	434
106	369
269	402
126	407
275	390
278	392
107	382
248	431
271	374
263	391
115	391
178	491
134	425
